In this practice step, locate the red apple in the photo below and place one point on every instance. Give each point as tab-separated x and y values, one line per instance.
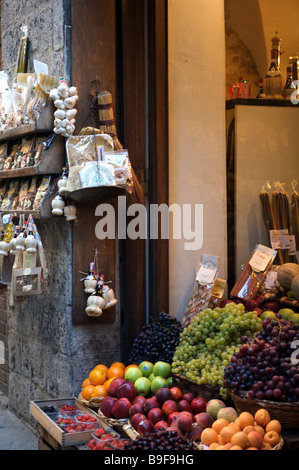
126	390
136	408
149	404
145	427
195	433
184	422
155	415
139	399
273	306
161	425
136	418
121	408
114	385
106	406
176	393
250	305
198	405
188	396
184	405
260	299
163	394
172	417
169	406
204	420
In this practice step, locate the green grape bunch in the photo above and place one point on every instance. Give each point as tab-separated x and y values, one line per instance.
207	344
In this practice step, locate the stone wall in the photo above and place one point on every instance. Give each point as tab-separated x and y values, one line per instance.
48	357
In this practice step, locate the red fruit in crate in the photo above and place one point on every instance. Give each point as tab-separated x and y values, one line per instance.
121	408
114	385
273	306
250	305
99	432
176	393
184	405
169	406
204	420
172	417
139	399
126	390
150	403
145	427
106	406
136	408
161	425
188	396
184	422
198	405
155	415
136	419
162	395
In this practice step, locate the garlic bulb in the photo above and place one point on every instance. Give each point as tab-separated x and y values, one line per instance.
65	99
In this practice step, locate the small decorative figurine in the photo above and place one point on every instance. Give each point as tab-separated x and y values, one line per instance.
30	241
58	205
90	282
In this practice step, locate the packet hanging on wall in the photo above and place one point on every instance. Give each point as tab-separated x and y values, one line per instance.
254	273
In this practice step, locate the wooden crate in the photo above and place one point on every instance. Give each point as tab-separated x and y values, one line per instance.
58	435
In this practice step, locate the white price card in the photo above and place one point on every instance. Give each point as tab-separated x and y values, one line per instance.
261	258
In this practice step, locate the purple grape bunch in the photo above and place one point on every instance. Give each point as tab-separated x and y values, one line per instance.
266	367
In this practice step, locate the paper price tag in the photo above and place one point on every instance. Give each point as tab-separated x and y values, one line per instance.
261	258
206	275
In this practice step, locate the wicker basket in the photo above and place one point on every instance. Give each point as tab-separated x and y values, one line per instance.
286	413
117	424
187	385
94	403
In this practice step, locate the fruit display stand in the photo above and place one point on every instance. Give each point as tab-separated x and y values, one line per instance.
51	436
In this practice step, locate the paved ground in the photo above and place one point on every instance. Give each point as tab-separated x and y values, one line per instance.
14	434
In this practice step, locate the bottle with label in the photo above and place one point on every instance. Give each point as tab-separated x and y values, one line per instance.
289	86
90	282
261	93
273	82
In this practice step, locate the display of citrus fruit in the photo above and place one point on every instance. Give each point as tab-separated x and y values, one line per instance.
118	364
97	377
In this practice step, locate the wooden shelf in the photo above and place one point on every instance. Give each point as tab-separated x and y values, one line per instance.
98	194
44	212
45	124
52	162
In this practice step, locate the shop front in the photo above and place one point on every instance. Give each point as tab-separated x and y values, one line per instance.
149	272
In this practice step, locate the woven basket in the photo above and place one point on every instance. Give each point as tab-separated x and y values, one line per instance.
94	403
117	424
286	413
187	385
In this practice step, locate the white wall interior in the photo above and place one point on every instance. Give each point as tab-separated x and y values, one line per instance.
197	172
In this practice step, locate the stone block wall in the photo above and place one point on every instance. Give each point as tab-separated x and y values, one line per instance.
47	356
3	341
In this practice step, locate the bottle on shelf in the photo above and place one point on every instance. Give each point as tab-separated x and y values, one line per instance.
273	82
90	281
289	86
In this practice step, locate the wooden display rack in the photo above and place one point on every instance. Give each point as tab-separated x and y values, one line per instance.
51	163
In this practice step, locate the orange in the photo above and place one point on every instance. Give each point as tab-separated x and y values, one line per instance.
87	391
227	433
208	436
86	382
213	446
118	364
219	424
240	439
103	367
236	448
274	425
108	382
115	371
99	391
262	417
245	419
97	377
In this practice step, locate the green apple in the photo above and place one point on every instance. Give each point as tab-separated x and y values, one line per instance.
268	314
169	381
295	318
132	374
162	369
146	367
143	386
158	382
286	313
151	377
